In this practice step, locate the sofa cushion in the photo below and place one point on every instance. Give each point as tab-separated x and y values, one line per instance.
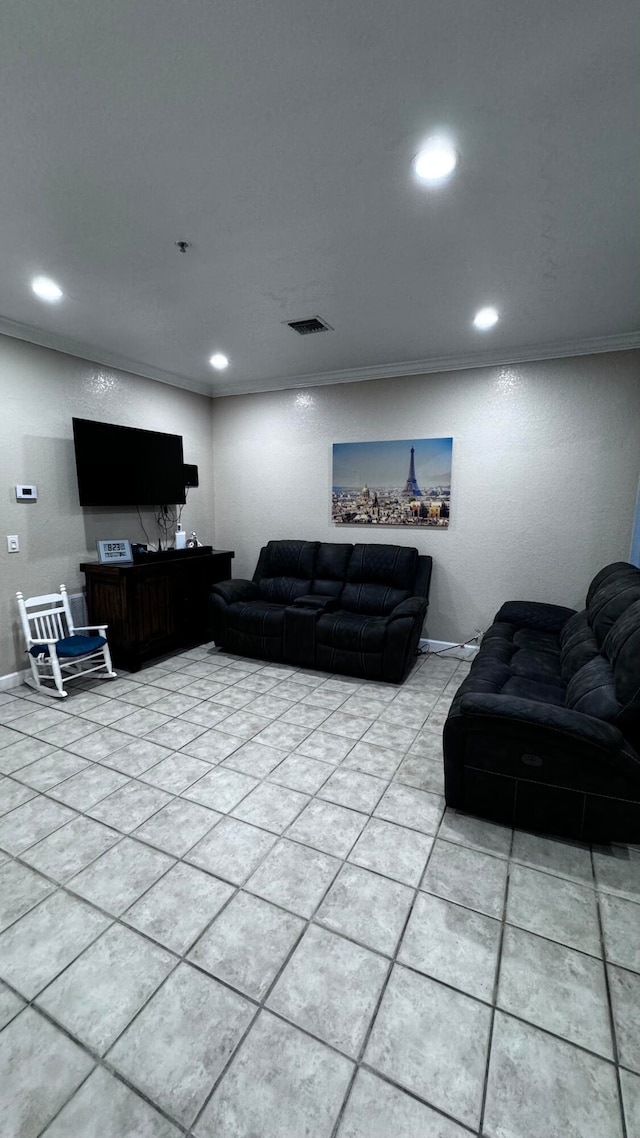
352	632
285	570
486	675
287	559
592	690
282	590
379	577
497	644
393	565
534	614
493	678
256	618
575	626
533	689
536	641
622	649
331	568
618	570
535	665
378	599
579	645
504	640
609	603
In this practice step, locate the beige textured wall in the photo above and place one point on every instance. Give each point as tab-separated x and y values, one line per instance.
40	391
545	474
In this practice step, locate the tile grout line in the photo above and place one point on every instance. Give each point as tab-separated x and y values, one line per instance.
263	1002
182	957
100	1063
183	859
381	994
65	886
263	1005
67	1100
102	1060
496	987
611	1016
324	682
135	778
390	1081
117	919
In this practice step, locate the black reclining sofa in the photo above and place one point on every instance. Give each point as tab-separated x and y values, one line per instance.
355	609
544	733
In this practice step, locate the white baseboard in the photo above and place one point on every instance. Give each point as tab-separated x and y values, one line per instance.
13	680
457	652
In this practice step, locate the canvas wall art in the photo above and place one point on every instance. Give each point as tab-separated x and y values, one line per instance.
405	482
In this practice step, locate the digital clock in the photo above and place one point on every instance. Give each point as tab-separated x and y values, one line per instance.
114	551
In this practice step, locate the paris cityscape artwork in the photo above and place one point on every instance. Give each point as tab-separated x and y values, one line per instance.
400	482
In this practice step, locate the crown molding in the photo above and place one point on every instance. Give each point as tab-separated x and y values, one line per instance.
71	347
624	342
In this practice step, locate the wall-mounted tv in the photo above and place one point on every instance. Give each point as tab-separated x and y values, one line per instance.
126	466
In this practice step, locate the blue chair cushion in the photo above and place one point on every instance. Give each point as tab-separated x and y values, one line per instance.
71	646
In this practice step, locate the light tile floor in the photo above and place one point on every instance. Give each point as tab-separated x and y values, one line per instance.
232	905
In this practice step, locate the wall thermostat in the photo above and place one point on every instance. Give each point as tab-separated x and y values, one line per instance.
26	493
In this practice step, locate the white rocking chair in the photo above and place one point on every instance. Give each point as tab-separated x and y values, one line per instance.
59	652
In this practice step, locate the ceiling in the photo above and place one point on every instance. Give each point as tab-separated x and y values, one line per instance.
277	138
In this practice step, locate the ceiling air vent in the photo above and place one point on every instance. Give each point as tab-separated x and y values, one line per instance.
306	327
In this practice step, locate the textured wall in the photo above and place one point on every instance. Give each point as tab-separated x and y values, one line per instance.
40	391
545	473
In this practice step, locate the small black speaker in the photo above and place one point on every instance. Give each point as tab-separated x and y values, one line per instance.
190	475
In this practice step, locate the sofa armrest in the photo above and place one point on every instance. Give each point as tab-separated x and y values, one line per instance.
533	614
545	716
412	607
237	590
317	602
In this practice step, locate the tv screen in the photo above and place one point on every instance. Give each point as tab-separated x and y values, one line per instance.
126	466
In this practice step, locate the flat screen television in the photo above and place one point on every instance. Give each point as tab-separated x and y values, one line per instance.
126	466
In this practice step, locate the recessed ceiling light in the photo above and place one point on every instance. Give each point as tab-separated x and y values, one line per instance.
485	318
219	362
436	161
46	289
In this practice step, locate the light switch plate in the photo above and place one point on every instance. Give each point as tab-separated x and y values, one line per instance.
13	543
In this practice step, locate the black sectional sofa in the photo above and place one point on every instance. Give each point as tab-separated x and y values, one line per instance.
354	609
544	733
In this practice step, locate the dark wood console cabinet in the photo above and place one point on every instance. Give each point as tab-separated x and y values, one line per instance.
156	605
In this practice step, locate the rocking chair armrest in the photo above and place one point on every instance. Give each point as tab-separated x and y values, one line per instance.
50	644
89	627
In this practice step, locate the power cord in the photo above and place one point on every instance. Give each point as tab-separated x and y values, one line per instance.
182	506
143	529
167	519
465	644
166	522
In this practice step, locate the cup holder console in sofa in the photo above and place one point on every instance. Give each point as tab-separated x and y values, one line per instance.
544	733
355	609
